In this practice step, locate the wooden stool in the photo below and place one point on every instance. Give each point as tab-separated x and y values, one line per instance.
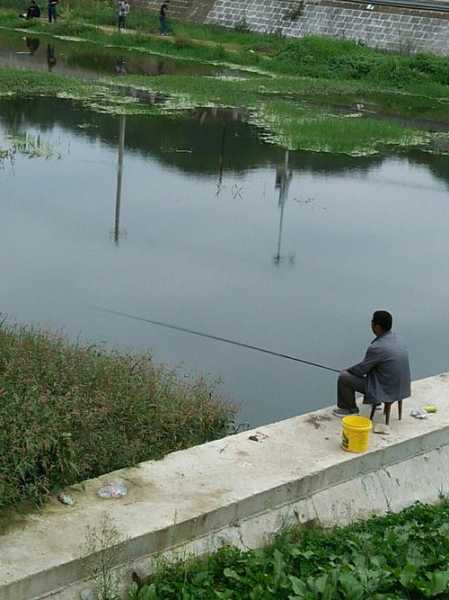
387	411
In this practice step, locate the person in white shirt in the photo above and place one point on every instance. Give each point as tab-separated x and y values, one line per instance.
122	13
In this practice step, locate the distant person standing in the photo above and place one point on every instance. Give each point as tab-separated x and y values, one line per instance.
122	13
163	18
52	10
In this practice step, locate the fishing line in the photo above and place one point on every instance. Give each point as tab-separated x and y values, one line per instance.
214	337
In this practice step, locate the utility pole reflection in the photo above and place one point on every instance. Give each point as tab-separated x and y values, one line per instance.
283	179
118	198
221	159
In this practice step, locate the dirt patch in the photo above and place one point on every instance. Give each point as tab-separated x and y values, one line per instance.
316	420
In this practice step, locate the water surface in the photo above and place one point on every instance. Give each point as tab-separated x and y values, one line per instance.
89	61
213	230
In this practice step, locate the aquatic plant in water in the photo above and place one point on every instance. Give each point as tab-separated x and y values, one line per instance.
28	145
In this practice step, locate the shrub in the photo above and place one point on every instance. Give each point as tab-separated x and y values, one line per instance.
70	412
346	59
433	67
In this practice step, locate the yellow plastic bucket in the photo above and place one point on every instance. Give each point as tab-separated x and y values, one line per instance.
355	435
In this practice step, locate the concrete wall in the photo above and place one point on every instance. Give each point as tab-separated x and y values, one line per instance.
390	28
383	27
235	490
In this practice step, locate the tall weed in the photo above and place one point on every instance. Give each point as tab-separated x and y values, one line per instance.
69	412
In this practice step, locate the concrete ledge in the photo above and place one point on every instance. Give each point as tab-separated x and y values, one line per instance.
236	491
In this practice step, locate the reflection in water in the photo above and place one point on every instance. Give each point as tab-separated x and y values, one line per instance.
26	144
223	117
32	44
283	179
91	61
118	198
120	67
51	57
221	159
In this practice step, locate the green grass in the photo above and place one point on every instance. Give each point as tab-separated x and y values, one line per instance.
345	76
178	47
69	412
95	96
343	59
311	56
103	12
277	106
300	129
34	83
401	556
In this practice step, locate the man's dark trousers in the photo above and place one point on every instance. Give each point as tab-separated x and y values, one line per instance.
163	24
52	13
347	386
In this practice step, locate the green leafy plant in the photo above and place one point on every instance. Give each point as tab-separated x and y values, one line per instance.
398	556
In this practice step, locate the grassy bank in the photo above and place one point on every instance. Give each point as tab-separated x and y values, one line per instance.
69	412
311	56
397	557
310	102
280	116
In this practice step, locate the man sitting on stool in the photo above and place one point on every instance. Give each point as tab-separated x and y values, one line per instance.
382	376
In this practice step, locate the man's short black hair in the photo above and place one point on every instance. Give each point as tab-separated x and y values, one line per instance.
383	318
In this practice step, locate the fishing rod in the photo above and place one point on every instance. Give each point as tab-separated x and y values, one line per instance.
214	337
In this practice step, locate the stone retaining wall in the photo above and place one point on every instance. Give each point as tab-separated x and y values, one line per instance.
390	28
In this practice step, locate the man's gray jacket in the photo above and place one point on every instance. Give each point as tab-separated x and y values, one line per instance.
387	370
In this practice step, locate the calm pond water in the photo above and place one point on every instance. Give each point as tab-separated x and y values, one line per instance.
196	241
83	59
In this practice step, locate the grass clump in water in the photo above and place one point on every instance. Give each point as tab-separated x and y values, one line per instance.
289	122
299	128
70	412
401	556
25	84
